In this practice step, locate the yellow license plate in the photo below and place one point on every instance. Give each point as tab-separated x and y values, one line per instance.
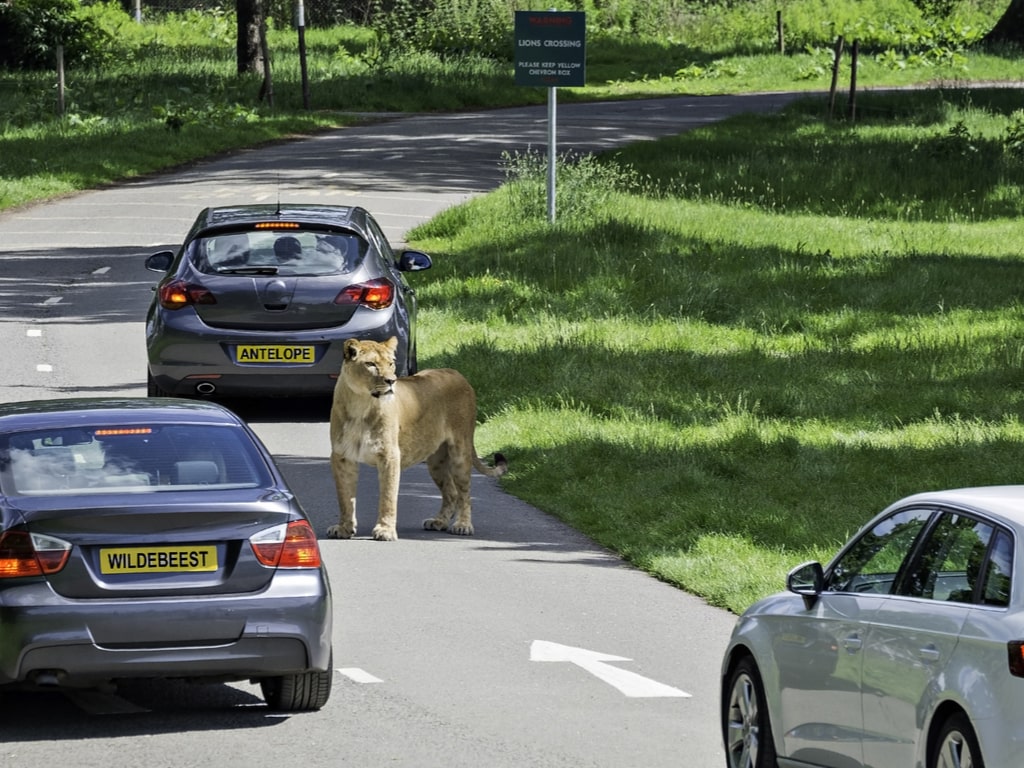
274	354
181	559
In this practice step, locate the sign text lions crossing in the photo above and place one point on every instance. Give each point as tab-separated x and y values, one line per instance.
551	48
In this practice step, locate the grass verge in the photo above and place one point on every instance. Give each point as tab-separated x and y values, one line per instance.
727	358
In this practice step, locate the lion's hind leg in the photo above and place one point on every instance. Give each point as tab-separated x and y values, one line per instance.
451	472
439	464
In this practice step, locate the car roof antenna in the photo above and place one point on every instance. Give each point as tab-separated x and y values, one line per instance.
278	212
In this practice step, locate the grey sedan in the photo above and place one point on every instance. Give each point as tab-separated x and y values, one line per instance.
906	650
259	299
154	539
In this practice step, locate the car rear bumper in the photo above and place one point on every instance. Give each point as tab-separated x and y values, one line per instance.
47	639
188	358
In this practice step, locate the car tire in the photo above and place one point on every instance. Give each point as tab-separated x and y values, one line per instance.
412	366
153	389
746	726
304	692
956	745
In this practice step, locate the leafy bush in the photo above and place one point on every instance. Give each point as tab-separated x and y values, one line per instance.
31	30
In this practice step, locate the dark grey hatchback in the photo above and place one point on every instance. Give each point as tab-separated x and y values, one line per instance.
259	299
155	539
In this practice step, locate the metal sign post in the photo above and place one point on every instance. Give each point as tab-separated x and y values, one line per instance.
551	50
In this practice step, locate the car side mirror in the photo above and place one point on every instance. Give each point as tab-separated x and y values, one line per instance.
414	261
160	261
807	580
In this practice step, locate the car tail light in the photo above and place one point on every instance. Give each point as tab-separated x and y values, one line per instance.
375	294
287	546
177	294
1015	652
31	554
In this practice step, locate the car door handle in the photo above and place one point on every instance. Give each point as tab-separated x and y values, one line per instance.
928	654
852	643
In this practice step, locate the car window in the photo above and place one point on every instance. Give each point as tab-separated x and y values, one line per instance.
998	571
291	252
872	562
951	559
380	241
134	459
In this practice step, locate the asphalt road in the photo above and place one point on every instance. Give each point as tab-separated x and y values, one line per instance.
524	645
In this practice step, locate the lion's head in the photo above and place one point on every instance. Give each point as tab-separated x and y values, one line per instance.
369	366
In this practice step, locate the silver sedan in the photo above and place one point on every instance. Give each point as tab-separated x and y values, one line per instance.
906	650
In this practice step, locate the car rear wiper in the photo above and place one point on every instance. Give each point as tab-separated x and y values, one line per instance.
248	271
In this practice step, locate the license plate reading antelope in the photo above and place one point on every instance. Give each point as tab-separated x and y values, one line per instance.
180	559
274	354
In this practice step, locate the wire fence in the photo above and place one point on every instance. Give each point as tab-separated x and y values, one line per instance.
317	12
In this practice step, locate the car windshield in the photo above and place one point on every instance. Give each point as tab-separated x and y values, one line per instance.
289	252
129	459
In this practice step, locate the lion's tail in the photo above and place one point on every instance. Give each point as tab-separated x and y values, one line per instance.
500	466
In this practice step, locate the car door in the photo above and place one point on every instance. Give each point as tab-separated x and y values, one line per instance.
913	636
818	652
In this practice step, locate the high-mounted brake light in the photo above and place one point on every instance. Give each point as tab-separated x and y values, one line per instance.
375	294
31	554
177	294
287	546
276	225
123	431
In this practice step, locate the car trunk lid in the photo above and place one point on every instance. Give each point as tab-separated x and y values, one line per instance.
178	548
274	303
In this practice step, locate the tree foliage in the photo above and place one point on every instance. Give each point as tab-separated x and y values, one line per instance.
31	30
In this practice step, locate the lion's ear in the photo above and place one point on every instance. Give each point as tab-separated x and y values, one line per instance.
391	343
350	349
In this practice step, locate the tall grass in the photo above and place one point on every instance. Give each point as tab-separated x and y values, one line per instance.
721	379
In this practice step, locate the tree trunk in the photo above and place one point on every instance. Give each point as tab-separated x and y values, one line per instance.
249	52
1009	28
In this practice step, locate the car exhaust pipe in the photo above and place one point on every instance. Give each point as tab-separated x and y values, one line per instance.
206	388
46	678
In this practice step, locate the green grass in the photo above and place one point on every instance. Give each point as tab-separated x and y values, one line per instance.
734	345
168	92
727	366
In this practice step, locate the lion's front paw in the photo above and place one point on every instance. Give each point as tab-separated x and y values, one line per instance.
341	532
384	533
461	529
435	524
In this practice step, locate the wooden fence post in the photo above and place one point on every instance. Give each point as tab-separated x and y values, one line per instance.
852	109
267	89
60	80
837	56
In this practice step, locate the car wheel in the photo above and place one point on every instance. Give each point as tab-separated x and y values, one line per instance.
153	389
411	363
746	726
304	692
957	746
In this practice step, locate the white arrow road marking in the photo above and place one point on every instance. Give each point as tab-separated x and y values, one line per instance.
631	684
359	675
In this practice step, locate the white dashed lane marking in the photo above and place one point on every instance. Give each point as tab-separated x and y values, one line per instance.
358	675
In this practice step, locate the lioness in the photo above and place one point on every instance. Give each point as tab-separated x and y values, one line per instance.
391	423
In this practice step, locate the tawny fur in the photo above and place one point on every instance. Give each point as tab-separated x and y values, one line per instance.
391	424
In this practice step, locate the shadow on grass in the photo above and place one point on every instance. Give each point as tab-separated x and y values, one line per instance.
782	496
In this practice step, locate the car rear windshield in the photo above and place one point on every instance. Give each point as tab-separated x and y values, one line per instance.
130	459
293	252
